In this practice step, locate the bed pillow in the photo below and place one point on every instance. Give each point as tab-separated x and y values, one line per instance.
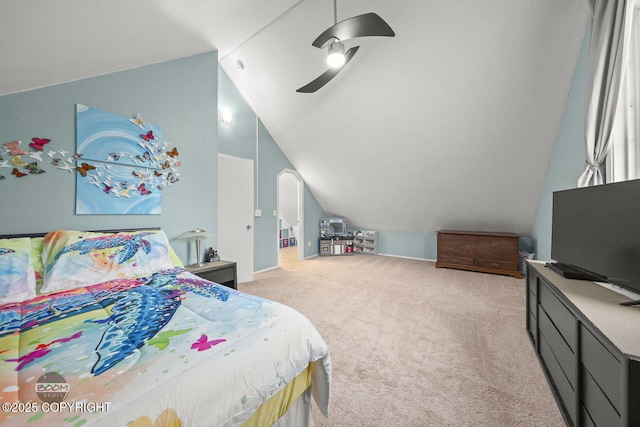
175	259
74	259
17	278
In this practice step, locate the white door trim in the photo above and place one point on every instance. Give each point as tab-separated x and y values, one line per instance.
300	212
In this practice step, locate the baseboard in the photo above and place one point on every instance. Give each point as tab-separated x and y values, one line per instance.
266	269
408	257
277	266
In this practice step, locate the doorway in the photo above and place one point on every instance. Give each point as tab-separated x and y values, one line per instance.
290	212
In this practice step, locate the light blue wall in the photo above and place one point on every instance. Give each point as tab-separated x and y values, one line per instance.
407	244
180	96
568	158
240	140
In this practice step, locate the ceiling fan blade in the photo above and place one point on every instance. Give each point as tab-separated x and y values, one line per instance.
324	78
369	24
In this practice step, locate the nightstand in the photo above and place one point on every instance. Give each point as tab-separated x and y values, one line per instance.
222	272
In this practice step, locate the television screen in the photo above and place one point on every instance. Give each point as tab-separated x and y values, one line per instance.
597	229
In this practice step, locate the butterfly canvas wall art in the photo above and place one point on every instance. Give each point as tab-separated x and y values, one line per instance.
129	163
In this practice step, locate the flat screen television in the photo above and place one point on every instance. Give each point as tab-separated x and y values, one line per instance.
596	230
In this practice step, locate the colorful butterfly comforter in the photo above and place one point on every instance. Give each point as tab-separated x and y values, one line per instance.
129	351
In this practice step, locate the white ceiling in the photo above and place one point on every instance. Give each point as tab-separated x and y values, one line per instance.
450	124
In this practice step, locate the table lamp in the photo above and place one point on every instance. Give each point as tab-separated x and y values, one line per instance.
197	234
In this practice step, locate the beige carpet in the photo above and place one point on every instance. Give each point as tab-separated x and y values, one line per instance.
413	345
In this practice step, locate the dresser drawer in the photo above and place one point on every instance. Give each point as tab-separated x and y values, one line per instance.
566	393
596	403
221	272
219	276
532	281
532	329
602	366
563	354
532	303
560	315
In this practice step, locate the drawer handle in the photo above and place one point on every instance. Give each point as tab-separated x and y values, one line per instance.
495	264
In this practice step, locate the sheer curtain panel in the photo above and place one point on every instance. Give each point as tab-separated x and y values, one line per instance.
623	161
608	56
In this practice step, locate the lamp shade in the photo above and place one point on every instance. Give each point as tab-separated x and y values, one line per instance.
197	233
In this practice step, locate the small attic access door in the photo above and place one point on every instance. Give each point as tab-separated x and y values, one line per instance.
290	206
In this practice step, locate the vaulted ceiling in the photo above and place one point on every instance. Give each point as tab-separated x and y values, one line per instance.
450	124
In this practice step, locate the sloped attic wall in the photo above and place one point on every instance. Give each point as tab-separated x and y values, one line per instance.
568	159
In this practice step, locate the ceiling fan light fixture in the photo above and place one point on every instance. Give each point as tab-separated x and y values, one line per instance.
336	57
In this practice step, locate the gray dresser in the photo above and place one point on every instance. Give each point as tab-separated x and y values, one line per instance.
588	347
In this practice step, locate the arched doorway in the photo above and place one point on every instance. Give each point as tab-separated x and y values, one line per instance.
290	210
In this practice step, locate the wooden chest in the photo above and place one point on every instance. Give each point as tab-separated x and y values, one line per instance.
479	251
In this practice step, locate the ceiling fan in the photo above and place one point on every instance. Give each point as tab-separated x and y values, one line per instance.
369	24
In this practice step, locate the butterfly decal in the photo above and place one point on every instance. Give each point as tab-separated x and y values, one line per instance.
203	343
166	165
67	167
14	148
172	177
41	350
17	173
17	161
39	143
114	156
34	169
146	157
173	153
84	169
37	155
107	188
148	136
142	188
137	120
55	161
156	173
2	177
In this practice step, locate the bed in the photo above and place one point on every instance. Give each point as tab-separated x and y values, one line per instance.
109	329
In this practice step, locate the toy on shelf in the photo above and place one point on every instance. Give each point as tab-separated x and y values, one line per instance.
334	239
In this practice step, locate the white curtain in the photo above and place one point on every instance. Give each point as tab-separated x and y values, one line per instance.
608	56
623	161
